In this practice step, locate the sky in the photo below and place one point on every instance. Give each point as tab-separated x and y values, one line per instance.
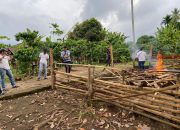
115	15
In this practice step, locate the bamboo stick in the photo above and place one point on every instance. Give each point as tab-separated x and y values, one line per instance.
154	91
52	69
142	113
133	101
165	115
149	110
70	88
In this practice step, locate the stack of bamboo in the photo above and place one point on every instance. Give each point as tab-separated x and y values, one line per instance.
155	103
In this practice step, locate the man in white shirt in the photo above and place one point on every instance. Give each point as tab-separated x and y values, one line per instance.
44	58
141	56
5	61
2	71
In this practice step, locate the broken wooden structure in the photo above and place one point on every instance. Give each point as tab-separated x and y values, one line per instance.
154	99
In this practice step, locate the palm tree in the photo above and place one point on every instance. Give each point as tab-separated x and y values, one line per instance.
175	15
166	20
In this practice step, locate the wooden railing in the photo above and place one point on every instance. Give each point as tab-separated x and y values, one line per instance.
153	103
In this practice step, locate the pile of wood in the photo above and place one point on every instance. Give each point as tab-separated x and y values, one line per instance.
150	79
161	104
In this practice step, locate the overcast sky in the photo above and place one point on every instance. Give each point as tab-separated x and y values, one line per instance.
115	15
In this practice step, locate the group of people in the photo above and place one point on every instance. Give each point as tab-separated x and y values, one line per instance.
5	55
44	60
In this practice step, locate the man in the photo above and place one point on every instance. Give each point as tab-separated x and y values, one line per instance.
5	61
2	71
44	59
65	55
141	56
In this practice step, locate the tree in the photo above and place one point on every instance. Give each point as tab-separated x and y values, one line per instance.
172	18
29	38
175	15
169	39
145	41
4	38
90	30
166	20
56	30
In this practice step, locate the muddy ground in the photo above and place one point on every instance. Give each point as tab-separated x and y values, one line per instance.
68	111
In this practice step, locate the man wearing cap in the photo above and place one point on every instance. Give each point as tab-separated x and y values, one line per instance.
65	55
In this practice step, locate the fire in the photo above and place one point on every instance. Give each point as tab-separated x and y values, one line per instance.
159	64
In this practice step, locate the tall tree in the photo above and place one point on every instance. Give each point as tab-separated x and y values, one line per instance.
90	30
56	30
29	38
166	20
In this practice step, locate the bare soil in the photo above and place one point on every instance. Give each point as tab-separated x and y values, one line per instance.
68	111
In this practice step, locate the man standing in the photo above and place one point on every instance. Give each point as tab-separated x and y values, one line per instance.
2	71
5	61
65	55
141	56
44	58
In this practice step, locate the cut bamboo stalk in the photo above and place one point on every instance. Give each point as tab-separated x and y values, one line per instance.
154	91
142	113
162	114
133	101
52	69
70	88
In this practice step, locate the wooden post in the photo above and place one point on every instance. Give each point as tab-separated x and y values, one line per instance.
178	89
112	58
150	55
52	69
90	87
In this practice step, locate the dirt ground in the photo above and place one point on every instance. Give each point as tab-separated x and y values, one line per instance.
64	110
68	111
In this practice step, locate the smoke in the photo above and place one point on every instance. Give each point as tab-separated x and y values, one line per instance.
133	48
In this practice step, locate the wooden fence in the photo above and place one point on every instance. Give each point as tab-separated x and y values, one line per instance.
153	103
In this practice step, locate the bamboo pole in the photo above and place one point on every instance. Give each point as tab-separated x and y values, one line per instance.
142	113
86	66
133	101
90	87
125	87
154	91
137	105
52	69
111	54
122	93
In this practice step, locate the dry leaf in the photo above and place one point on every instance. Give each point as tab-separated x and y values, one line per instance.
81	129
10	116
84	121
107	126
127	125
52	125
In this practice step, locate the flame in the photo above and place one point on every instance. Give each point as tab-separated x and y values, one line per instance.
159	64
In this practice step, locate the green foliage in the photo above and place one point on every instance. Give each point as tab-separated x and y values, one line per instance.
25	56
145	41
114	38
4	38
169	39
173	19
29	38
56	30
2	45
90	30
